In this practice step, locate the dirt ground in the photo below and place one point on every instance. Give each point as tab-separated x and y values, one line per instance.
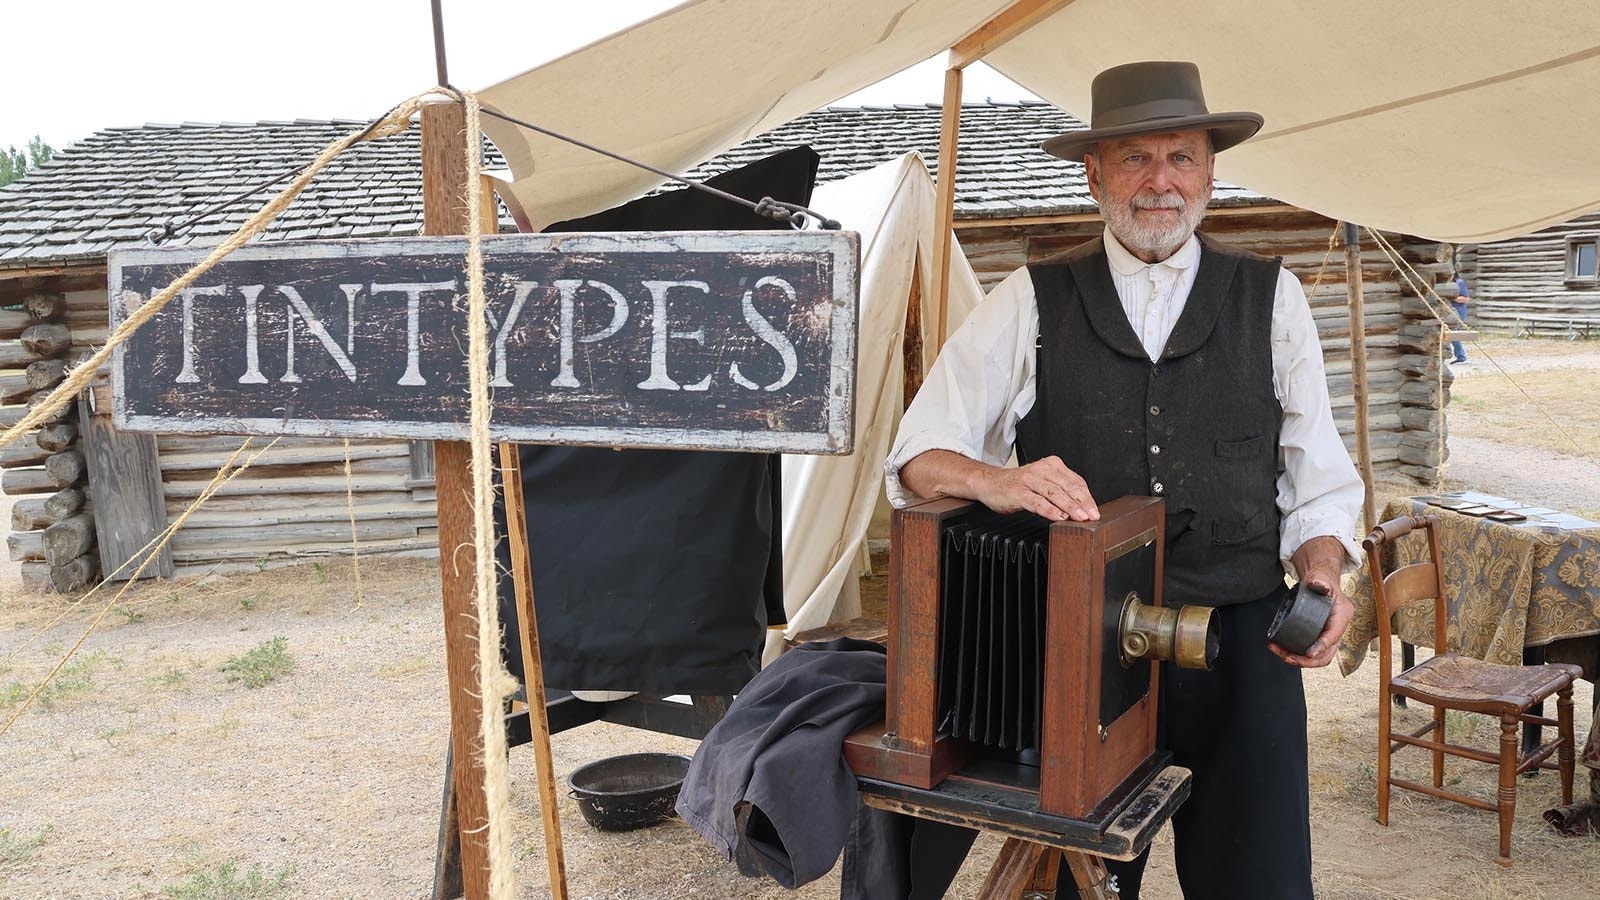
151	774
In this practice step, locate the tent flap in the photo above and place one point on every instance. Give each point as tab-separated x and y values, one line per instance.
1463	126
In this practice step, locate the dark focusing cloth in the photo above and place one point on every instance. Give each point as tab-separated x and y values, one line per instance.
657	571
772	770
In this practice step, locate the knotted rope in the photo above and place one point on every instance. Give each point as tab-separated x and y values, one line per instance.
495	684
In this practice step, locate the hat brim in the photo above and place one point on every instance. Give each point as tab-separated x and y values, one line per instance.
1227	129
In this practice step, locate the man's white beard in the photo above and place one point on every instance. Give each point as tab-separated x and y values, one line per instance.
1147	237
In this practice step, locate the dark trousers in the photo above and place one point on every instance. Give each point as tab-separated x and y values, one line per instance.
1245	831
1461	313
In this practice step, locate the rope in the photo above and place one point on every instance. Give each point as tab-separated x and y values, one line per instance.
396	121
495	684
223	476
1420	285
1317	282
350	504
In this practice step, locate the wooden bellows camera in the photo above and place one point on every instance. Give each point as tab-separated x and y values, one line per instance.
1032	642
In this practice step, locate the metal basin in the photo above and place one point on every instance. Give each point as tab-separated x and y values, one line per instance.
620	793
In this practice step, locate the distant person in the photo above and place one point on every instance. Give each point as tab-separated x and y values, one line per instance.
1460	304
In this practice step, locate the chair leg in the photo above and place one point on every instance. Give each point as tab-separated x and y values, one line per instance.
1383	757
1508	784
1438	738
1564	752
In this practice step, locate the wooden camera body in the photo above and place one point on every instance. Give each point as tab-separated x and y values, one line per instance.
1075	703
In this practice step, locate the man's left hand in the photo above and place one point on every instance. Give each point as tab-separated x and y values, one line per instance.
1326	646
1319	562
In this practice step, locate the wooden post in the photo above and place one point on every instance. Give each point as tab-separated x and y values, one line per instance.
444	181
1010	22
533	667
1358	368
944	212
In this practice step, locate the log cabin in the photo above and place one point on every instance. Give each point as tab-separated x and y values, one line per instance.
1543	283
83	487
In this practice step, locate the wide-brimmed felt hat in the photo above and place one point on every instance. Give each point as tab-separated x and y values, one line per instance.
1151	98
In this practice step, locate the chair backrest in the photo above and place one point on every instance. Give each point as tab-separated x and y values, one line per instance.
1394	590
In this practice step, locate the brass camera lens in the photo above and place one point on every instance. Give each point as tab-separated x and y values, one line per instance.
1186	635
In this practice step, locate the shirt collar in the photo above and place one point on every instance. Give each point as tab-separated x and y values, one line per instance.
1125	263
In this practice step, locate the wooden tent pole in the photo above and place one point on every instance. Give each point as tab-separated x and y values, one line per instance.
444	181
944	212
533	668
1010	22
1358	367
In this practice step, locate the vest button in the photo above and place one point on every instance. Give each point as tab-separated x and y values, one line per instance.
1155	410
1158	487
1155	449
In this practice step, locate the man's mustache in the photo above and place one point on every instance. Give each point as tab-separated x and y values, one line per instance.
1160	201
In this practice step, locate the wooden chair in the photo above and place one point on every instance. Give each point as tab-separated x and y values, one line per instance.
1448	681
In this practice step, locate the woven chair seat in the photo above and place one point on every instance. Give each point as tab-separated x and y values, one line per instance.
1460	680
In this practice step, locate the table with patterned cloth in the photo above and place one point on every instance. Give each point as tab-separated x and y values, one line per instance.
1512	586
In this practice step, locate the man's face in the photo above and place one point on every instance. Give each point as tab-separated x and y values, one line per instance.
1152	189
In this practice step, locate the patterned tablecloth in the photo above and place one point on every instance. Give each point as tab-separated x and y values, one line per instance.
1511	585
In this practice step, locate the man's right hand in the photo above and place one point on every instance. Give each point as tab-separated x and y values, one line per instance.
1045	487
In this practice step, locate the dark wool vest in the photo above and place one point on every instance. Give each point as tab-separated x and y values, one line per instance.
1198	427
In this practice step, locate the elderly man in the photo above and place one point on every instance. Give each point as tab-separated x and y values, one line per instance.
1153	361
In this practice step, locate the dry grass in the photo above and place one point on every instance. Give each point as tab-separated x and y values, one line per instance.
1506	406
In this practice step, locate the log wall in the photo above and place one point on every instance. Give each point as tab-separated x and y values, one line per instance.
291	504
1520	284
52	532
1406	393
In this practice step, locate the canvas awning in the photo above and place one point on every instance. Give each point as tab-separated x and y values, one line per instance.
1464	124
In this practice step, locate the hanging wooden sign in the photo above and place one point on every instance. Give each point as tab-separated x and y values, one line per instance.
707	340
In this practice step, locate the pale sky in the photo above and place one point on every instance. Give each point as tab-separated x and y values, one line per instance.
72	67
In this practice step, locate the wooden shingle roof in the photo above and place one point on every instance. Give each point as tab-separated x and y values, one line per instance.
112	189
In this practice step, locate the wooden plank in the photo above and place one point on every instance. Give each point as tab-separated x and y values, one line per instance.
302	510
267	548
125	481
245	484
533	668
711	340
1012	21
1014	812
283	456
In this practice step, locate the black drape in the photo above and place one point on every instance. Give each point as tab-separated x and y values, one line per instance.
657	570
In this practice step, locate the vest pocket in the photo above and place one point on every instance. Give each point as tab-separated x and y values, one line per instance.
1243	449
1228	532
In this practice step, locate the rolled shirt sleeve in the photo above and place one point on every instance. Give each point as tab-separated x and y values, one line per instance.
1319	492
980	386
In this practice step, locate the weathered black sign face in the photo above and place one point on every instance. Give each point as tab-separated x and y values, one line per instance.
716	340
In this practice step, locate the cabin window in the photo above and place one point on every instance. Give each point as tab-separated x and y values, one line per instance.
1583	256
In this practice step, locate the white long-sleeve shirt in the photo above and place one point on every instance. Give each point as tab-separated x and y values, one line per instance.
982	385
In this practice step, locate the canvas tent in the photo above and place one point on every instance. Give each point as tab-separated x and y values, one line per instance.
1461	124
1364	124
829	500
